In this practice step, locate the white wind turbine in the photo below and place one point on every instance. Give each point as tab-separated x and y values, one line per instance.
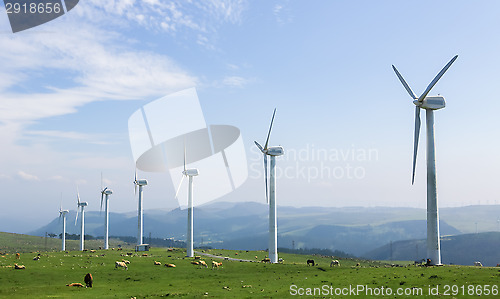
62	214
274	152
81	205
429	104
189	173
139	183
106	192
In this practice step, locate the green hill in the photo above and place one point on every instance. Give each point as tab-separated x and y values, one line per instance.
459	250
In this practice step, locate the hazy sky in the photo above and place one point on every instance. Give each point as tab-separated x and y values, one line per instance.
68	87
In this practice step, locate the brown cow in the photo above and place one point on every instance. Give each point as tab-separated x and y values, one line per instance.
18	256
170	265
89	280
75	284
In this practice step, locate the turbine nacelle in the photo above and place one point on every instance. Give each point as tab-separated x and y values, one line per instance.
432	103
83	204
107	192
274	151
191	172
64	212
141	182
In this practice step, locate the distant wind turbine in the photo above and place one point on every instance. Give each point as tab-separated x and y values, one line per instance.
62	214
273	152
429	104
106	192
189	173
81	205
139	183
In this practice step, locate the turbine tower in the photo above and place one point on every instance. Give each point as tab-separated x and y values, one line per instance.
430	104
273	152
62	214
106	192
189	173
139	183
81	205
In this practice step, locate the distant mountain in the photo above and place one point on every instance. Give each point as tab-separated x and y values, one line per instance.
355	230
460	250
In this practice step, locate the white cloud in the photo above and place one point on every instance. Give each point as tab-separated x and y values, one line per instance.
26	176
235	81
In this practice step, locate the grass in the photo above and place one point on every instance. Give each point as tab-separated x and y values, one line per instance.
12	243
47	278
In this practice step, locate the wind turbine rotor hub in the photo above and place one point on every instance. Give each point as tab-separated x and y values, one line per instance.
107	192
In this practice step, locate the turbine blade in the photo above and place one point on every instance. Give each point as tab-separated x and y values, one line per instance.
415	141
436	79
102	198
179	188
77	195
135	180
408	89
265	171
270	127
76	219
259	146
184	155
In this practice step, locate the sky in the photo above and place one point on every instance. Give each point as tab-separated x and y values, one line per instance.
68	87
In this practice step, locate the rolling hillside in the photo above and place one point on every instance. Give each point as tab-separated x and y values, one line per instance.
355	230
461	249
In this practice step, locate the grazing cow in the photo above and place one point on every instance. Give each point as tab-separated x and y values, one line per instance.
120	249
203	264
36	258
195	263
197	257
170	265
266	260
170	249
478	264
280	260
310	262
92	251
144	254
75	284
18	256
256	257
121	265
226	258
157	263
89	280
235	253
216	265
19	267
335	263
357	264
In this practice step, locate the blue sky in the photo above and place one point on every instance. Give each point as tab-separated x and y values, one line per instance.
68	87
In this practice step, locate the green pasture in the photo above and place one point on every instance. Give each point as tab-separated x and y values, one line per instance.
47	277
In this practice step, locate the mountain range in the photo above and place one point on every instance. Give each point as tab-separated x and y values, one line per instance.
354	230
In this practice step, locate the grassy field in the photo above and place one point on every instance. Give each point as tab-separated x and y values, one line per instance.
48	276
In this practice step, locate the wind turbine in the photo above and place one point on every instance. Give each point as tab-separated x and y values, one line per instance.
429	104
139	183
82	205
62	214
106	192
273	152
189	173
